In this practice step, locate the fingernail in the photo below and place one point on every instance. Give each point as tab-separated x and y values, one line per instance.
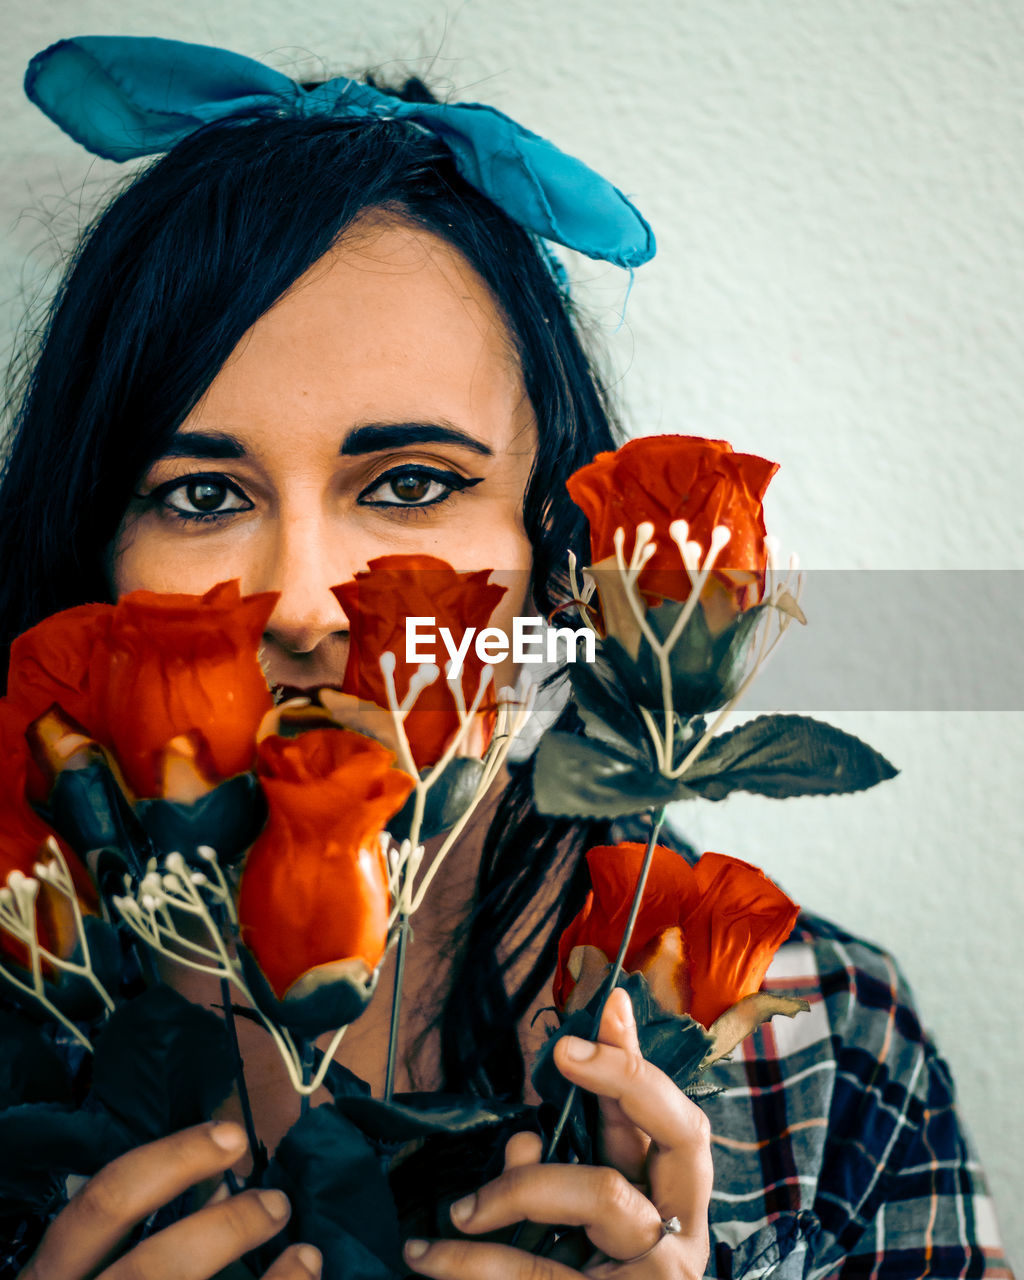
628	1016
310	1258
229	1137
462	1210
275	1203
415	1249
577	1050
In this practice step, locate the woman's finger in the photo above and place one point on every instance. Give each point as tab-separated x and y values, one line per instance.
99	1217
619	1220
300	1262
620	1142
679	1162
468	1260
523	1149
204	1243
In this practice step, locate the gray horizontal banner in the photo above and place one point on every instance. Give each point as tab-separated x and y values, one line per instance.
875	640
900	640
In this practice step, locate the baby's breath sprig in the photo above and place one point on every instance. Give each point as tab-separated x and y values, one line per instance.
174	889
405	860
780	596
19	919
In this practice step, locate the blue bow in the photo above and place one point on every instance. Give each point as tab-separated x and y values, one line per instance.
124	96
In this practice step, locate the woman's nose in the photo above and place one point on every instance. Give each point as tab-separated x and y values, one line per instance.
303	566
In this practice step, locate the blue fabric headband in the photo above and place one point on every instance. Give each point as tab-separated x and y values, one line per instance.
123	96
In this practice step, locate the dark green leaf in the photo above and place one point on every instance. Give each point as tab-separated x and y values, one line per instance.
88	808
75	996
606	709
228	819
706	670
578	777
672	1042
162	1064
341	1082
333	1003
429	1174
41	1143
446	802
72	994
31	1069
781	756
341	1200
415	1115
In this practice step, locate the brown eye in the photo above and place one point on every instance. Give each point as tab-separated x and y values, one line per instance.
199	497
411	488
414	487
206	495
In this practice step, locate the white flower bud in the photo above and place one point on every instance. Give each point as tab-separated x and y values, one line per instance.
426	674
720	537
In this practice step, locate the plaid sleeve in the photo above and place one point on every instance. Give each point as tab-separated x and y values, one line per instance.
838	1150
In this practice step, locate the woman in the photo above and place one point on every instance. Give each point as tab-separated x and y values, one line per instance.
299	341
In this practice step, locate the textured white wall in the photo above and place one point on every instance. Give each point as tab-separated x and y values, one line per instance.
837	190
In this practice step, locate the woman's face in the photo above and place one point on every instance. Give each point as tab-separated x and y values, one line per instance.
378	408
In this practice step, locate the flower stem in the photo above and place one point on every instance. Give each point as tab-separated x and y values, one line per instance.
396	1006
610	983
256	1150
308	1053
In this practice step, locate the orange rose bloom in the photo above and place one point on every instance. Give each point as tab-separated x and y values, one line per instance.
181	664
314	888
665	478
728	920
152	667
377	604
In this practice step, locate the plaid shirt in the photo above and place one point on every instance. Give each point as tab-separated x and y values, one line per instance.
837	1147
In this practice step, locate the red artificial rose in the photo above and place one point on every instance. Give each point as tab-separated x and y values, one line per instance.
151	668
314	889
708	931
176	665
740	921
704	482
51	664
23	836
377	604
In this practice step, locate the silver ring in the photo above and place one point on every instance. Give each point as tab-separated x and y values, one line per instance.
669	1227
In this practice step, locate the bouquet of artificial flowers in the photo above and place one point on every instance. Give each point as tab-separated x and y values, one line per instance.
161	809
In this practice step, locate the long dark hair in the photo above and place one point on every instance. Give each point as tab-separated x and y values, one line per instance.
160	291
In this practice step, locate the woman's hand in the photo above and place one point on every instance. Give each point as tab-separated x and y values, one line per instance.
651	1135
85	1238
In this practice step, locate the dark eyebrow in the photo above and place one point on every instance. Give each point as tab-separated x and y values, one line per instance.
204	444
375	437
